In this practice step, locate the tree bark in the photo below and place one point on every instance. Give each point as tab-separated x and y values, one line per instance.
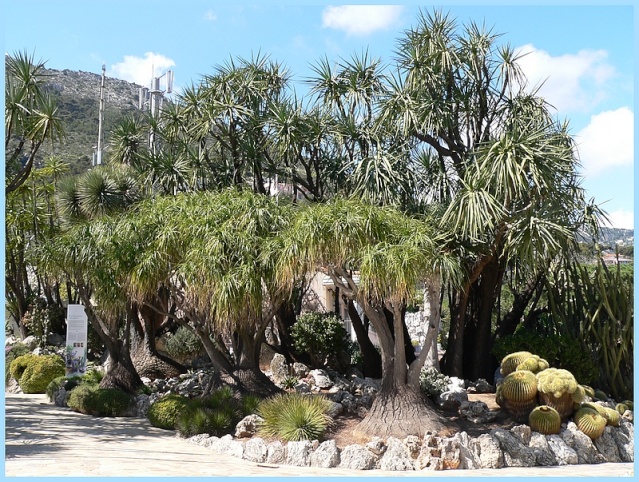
398	411
371	359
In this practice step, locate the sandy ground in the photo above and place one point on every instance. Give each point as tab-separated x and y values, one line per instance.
43	440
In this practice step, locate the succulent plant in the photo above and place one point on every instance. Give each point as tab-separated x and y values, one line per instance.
621	408
590	422
510	362
600	395
545	420
612	416
533	363
579	395
590	392
519	393
556	388
629	404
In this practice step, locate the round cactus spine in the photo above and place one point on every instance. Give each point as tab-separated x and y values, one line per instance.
509	362
590	422
545	420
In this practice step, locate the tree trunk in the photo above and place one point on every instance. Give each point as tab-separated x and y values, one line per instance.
453	361
479	361
432	298
371	359
398	411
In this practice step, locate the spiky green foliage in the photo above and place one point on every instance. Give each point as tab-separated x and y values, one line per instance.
216	414
596	307
545	420
590	422
294	416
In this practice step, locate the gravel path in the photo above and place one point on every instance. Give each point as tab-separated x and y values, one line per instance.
44	440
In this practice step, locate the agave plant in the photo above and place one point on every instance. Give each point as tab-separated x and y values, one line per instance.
295	416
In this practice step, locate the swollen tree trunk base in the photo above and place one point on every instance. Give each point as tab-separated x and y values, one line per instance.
246	380
398	412
121	378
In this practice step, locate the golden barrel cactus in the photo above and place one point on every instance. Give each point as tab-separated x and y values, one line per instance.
612	416
510	362
556	388
590	422
519	392
545	420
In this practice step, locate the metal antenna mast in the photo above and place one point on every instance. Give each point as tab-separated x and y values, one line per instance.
152	98
97	154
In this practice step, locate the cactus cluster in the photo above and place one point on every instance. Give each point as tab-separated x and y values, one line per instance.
546	396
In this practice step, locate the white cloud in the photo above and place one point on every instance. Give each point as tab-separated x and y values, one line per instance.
621	220
572	82
361	19
210	16
141	70
607	141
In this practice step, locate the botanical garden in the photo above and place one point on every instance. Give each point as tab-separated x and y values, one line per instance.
438	186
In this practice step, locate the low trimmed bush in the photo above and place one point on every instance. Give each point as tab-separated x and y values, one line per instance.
10	354
164	412
99	402
35	372
295	416
432	382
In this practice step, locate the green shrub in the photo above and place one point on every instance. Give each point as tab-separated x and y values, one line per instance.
10	354
35	372
294	416
249	404
164	412
319	335
92	377
100	402
432	382
68	383
183	344
559	351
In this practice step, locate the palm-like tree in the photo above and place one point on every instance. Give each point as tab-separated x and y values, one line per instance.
31	117
490	152
376	256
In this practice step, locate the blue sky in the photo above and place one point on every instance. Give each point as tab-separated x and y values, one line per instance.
585	50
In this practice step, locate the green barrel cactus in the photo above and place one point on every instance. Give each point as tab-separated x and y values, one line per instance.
621	408
612	416
533	363
590	422
545	420
590	392
510	362
519	393
600	395
629	404
556	388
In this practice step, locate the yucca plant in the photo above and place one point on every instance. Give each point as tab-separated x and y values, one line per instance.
294	416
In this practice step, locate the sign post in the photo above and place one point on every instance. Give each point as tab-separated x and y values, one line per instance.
76	348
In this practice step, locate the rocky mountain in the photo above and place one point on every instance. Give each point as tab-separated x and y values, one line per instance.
78	96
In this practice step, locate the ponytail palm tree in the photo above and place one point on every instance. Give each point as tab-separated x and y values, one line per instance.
490	152
376	256
214	254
